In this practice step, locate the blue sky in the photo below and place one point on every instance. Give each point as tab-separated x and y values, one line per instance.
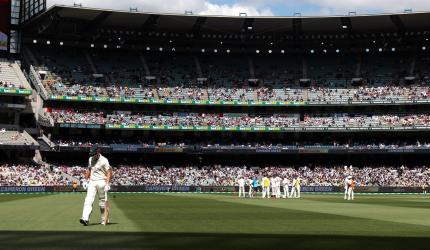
258	7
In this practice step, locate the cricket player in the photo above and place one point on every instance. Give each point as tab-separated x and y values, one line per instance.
295	189
278	187
250	191
254	186
241	183
351	186
347	182
286	183
266	187
273	185
99	174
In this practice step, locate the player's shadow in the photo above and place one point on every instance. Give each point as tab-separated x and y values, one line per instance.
208	241
98	224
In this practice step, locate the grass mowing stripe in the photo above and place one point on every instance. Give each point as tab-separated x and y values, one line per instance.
416	216
160	221
56	213
193	214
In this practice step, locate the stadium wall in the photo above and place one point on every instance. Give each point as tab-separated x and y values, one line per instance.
204	189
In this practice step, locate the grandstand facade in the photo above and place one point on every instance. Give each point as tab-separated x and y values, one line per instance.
177	91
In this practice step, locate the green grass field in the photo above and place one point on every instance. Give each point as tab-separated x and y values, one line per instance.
217	221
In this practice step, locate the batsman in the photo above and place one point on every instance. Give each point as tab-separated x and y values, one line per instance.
98	176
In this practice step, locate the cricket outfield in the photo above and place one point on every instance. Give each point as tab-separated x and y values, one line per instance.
216	221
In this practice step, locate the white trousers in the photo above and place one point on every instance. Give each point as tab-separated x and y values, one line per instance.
350	193
295	192
250	192
266	192
241	191
94	187
346	193
286	191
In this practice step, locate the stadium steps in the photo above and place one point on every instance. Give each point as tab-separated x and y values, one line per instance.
45	143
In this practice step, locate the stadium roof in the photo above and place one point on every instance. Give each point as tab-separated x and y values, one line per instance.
58	17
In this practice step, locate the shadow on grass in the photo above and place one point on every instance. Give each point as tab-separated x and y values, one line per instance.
120	240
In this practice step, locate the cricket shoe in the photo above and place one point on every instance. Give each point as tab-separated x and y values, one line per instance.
83	222
103	222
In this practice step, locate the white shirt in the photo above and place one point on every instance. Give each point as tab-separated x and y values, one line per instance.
285	182
346	183
250	182
278	181
241	182
98	169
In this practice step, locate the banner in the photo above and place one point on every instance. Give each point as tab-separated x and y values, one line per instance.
15	91
22	189
178	188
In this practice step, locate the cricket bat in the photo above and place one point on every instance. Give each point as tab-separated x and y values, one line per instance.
106	215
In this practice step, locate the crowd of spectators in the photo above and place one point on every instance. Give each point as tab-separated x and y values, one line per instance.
362	121
193	119
70	116
11	85
313	95
217	175
243	120
182	143
28	175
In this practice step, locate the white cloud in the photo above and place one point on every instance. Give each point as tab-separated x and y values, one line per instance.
174	6
366	6
234	10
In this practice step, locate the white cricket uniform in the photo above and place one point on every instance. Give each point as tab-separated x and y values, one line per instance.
273	186
250	188
350	190
346	188
286	183
241	187
98	176
278	187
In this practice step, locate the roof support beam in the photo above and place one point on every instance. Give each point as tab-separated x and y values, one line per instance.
96	22
395	19
150	23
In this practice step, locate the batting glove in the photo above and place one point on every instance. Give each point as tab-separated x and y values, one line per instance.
85	185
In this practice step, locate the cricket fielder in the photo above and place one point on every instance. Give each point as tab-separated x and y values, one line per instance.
286	183
351	187
295	189
254	186
250	193
347	182
273	186
99	174
278	187
266	187
241	183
